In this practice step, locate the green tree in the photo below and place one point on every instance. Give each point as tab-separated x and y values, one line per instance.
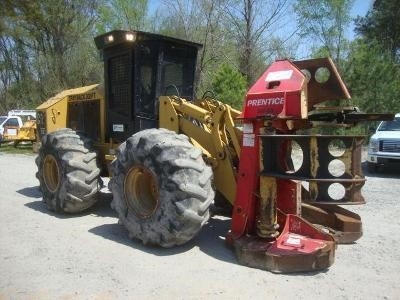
47	46
15	74
240	33
251	24
373	71
229	86
324	23
53	28
372	77
198	21
382	24
122	14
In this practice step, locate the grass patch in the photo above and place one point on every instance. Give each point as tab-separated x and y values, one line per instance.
22	148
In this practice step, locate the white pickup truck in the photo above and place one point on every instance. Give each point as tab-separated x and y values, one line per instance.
384	145
14	120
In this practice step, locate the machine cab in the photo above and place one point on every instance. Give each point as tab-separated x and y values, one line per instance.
138	68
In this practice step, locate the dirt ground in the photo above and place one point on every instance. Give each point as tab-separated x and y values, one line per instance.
89	256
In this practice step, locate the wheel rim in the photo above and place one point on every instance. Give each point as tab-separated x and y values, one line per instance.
51	173
141	191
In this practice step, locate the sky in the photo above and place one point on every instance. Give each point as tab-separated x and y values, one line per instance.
360	8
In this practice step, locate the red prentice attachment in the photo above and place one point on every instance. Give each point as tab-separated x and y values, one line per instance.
277	93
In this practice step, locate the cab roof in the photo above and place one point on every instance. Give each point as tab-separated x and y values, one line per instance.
117	37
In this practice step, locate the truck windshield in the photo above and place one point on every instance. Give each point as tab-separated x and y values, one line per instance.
390	125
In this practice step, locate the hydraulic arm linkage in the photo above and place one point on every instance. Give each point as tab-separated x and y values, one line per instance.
285	187
210	125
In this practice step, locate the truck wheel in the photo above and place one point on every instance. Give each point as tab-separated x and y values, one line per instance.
67	171
161	187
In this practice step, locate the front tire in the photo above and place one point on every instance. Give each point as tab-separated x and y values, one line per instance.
67	171
161	187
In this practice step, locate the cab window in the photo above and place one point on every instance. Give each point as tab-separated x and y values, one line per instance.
13	122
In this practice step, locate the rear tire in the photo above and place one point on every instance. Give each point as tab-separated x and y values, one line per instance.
161	187
67	171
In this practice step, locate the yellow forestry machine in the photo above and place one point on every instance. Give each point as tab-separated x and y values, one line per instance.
171	156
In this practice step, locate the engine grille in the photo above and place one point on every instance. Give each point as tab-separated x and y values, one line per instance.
390	146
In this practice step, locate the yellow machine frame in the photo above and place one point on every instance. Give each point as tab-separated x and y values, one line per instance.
210	126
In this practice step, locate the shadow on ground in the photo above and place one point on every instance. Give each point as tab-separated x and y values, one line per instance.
210	240
118	233
387	171
102	208
31	192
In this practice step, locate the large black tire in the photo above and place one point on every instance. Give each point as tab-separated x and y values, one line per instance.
161	187
67	171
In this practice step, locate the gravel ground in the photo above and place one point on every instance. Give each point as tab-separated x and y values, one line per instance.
89	256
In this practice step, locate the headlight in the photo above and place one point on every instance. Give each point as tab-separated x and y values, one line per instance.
109	39
130	37
373	145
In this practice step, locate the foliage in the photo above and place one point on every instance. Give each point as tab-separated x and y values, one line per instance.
122	14
236	32
373	69
198	21
229	86
324	24
382	24
46	47
252	24
372	77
